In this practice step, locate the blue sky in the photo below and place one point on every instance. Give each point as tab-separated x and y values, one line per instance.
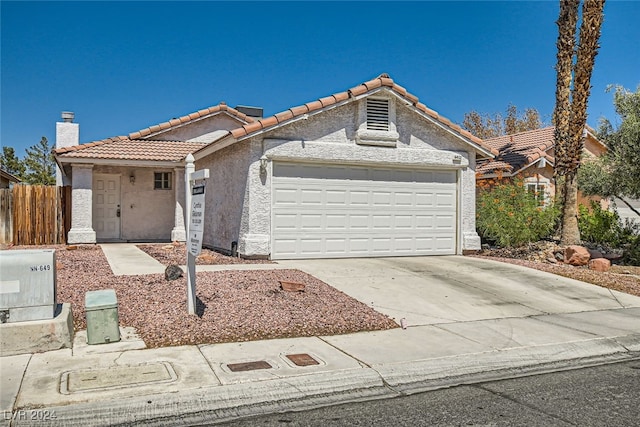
123	66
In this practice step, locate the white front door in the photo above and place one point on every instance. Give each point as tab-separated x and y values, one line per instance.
106	206
335	211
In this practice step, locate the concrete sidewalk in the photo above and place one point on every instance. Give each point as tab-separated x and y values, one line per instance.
469	320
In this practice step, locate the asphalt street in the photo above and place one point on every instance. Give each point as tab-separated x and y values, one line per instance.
607	395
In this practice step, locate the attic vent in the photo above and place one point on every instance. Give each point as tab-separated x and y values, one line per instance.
378	114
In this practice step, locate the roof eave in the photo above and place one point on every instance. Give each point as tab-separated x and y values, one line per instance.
122	162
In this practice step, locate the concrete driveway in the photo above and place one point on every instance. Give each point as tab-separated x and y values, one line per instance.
447	289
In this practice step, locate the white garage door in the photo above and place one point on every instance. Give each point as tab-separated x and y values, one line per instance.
321	211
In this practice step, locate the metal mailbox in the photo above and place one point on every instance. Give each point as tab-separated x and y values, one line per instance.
27	285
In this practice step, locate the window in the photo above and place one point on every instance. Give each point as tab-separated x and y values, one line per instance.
539	191
162	180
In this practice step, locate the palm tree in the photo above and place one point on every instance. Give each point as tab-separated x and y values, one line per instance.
570	114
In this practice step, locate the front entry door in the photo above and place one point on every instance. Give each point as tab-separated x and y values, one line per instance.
106	206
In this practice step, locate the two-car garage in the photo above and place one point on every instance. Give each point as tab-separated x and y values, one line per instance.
337	211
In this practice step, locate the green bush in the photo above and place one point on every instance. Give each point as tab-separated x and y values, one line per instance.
632	251
599	226
509	215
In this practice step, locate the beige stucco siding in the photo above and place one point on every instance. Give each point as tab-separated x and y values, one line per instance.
225	194
337	125
146	214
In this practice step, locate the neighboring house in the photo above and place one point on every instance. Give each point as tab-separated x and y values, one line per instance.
370	171
530	155
7	180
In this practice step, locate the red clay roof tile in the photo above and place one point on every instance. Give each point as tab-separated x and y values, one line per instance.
299	110
327	100
373	84
285	115
122	148
358	90
313	106
269	121
342	96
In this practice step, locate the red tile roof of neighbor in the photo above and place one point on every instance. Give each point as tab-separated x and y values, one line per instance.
134	146
517	151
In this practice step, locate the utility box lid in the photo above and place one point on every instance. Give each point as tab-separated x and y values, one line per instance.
100	300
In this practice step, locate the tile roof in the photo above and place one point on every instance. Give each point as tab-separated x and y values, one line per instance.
124	148
517	151
190	117
135	146
381	81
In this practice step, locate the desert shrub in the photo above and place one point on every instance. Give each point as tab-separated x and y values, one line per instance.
509	215
599	226
631	254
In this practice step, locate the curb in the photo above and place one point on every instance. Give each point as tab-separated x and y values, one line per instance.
216	404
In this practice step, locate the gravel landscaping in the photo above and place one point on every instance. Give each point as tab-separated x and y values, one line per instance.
251	305
232	305
176	253
623	278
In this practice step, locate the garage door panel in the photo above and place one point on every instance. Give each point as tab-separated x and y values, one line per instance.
349	211
382	198
425	199
444	222
359	198
285	196
336	197
358	222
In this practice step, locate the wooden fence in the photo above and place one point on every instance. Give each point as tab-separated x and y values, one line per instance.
36	214
6	213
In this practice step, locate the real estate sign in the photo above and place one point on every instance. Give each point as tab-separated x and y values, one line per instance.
196	226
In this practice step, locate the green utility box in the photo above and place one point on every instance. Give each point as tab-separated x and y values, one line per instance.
101	308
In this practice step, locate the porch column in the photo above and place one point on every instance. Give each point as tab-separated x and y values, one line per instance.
179	233
81	205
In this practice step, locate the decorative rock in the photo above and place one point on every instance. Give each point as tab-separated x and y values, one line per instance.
551	260
167	247
72	247
173	272
559	255
595	254
291	286
576	255
600	264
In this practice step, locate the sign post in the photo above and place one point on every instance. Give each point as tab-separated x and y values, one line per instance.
194	208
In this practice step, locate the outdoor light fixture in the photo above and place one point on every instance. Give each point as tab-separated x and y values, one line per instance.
263	164
132	178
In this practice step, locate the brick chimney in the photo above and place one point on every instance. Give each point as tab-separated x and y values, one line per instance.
67	135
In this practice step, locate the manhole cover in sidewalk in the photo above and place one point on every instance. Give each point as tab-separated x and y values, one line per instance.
248	366
302	359
116	377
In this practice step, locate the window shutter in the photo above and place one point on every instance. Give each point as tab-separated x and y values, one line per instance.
378	114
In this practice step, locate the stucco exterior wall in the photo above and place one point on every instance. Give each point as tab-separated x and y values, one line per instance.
226	194
81	205
146	214
337	126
